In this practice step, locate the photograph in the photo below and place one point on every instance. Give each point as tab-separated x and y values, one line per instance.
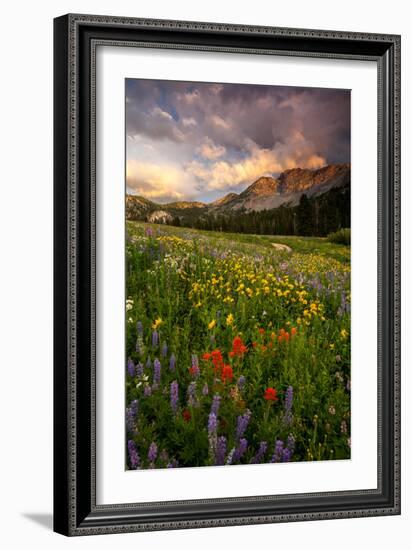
227	275
238	274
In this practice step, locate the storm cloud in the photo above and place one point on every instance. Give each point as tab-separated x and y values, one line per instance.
198	141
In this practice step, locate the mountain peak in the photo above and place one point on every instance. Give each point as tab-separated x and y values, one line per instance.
263	186
224	200
296	180
265	193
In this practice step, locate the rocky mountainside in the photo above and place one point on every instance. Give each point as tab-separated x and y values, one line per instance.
186	204
263	187
227	199
298	179
160	216
138	207
265	193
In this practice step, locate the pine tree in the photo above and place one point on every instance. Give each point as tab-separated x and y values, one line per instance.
304	216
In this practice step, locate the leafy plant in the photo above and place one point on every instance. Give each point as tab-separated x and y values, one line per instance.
342	236
236	352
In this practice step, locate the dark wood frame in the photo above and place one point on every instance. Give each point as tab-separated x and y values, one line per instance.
76	38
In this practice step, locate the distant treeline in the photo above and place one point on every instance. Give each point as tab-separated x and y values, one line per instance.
316	216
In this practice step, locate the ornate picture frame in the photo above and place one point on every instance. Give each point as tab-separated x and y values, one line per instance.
76	40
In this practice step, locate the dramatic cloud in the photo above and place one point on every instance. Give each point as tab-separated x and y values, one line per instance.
157	182
209	150
223	175
219	122
199	140
190	121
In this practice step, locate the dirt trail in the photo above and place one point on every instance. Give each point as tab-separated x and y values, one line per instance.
282	247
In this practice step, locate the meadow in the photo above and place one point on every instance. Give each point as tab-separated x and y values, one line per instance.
237	352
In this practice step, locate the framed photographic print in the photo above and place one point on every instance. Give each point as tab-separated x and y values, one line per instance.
227	280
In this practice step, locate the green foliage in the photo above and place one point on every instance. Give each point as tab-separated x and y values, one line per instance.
342	236
314	216
305	215
202	291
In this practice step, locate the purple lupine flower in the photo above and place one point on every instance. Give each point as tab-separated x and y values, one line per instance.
139	345
195	372
230	456
286	455
173	464
191	393
212	424
221	450
215	404
152	453
240	449
278	451
288	405
139	328
131	368
242	423
131	413
134	407
241	382
291	443
139	369
129	420
156	373
174	395
164	349
172	362
204	391
149	232
154	339
195	369
212	435
134	459
288	401
147	391
258	457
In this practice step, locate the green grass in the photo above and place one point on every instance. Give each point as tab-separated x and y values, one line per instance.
342	236
273	319
304	245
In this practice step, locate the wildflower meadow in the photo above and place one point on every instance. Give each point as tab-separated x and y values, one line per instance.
237	352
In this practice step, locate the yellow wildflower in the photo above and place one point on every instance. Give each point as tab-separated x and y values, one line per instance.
230	319
211	324
156	323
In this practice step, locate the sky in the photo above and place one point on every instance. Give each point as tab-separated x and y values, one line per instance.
200	141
